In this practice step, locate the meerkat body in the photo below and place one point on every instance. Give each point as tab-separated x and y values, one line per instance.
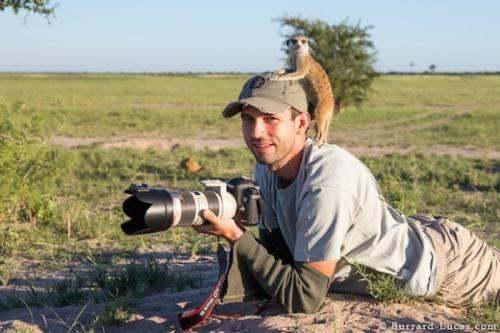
315	82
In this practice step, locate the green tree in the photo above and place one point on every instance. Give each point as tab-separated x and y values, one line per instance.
345	51
42	7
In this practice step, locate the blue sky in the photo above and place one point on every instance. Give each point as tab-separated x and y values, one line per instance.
159	36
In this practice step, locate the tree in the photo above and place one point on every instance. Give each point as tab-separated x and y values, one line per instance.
42	7
432	68
345	51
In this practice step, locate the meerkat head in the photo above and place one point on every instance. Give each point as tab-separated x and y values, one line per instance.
298	44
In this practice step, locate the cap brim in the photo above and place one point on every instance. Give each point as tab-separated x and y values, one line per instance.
262	104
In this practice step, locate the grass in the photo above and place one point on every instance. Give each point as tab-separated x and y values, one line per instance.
405	110
139	279
136	279
166	106
484	318
115	313
382	287
91	193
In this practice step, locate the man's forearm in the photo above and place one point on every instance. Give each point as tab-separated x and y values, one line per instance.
297	286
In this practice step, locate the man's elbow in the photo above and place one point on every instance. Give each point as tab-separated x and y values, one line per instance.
307	290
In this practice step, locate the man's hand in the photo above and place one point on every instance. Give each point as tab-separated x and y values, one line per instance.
224	227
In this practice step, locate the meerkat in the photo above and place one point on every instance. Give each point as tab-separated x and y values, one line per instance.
315	82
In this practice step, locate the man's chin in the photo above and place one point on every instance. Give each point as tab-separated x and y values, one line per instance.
263	159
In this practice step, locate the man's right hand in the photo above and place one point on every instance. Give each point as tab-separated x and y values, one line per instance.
223	227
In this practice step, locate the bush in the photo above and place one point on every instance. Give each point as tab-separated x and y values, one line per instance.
30	168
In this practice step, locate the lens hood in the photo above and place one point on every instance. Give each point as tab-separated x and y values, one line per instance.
149	209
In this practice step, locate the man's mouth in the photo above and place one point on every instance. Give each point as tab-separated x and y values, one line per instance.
261	146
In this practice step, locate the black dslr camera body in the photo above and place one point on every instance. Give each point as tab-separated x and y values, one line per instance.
155	209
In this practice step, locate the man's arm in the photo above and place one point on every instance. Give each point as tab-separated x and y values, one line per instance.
298	286
274	242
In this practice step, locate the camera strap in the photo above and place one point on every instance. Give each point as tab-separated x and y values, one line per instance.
197	316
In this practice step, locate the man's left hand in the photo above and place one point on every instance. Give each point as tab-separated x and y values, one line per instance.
224	227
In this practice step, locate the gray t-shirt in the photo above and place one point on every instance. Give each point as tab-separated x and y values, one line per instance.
334	209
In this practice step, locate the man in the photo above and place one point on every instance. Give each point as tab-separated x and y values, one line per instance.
324	211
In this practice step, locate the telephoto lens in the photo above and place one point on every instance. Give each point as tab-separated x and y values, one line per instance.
154	209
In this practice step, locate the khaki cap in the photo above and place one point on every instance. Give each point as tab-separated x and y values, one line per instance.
269	96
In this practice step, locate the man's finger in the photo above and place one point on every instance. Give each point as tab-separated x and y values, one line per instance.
206	229
209	216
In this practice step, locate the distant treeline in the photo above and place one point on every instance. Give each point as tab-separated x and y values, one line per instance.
239	73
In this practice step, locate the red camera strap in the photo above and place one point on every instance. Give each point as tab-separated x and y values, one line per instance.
192	318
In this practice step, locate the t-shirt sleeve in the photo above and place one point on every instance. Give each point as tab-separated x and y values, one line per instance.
324	217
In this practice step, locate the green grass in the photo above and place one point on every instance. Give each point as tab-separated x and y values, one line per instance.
91	193
382	287
484	318
104	105
405	110
139	279
115	313
100	284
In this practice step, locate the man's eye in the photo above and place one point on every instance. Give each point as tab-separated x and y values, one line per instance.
270	118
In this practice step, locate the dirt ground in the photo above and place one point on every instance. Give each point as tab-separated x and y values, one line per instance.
157	313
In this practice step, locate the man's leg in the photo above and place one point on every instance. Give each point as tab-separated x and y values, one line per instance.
468	270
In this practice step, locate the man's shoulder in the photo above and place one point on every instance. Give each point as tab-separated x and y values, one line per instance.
325	166
332	166
332	159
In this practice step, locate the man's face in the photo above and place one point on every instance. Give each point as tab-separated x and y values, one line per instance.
270	137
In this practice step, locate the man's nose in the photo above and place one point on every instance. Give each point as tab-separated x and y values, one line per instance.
258	128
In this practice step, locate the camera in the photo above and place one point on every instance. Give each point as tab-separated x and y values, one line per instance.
155	209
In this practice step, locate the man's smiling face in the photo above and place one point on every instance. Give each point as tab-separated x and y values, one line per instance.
270	137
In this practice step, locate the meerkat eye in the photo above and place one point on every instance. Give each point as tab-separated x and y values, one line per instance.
294	41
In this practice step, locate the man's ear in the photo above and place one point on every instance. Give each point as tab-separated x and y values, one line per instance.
304	121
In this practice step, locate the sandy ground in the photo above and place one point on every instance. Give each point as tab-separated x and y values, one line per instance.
157	313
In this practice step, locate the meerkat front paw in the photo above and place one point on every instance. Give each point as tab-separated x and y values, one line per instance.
276	74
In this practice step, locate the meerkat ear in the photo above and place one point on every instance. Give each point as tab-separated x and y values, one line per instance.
287	42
